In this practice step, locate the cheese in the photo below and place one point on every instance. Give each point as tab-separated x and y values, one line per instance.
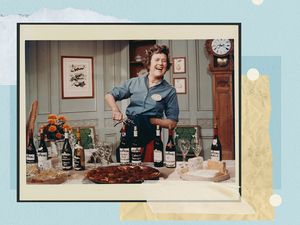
216	165
195	163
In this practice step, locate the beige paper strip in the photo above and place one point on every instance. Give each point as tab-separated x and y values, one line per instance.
256	168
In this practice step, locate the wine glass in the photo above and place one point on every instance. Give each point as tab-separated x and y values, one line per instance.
95	157
196	146
107	152
184	146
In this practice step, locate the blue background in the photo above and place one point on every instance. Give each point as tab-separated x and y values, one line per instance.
270	36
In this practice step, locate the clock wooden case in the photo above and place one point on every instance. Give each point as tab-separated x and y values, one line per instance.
220	54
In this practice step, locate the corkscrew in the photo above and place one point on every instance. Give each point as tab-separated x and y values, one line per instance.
125	121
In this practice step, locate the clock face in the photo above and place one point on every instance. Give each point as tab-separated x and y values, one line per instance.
221	46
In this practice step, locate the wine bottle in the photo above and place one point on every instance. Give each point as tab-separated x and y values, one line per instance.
124	148
216	147
42	153
31	155
66	153
136	157
170	151
158	152
79	156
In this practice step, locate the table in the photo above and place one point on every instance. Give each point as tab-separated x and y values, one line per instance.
78	177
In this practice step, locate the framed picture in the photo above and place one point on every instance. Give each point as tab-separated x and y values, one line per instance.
77	77
87	136
180	85
187	132
179	65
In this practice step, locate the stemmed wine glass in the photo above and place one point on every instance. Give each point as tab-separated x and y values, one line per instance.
184	146
107	153
196	146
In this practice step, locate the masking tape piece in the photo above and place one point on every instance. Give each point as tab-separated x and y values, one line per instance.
256	171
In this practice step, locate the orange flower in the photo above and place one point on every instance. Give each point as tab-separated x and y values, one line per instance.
58	135
51	121
52	128
52	116
66	126
62	118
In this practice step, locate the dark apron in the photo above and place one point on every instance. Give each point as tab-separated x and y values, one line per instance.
146	132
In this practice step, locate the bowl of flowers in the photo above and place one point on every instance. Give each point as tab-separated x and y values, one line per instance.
54	132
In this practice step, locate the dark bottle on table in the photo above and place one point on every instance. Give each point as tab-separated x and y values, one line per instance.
158	153
42	153
31	155
124	148
216	147
136	156
79	156
170	153
66	153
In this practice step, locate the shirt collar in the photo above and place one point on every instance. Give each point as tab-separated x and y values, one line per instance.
147	81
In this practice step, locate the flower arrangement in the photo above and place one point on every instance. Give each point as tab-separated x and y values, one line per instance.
54	130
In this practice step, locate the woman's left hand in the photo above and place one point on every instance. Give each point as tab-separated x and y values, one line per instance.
165	123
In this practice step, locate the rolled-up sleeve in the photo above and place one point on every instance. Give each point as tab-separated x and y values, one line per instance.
172	108
121	92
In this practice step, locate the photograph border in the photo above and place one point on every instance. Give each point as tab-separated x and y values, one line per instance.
21	89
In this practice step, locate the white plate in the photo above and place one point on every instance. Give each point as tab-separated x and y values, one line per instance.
199	175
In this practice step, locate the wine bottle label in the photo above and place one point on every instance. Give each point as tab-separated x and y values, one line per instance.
136	155
170	159
157	155
157	133
214	142
66	159
215	155
77	163
124	155
30	158
42	158
40	149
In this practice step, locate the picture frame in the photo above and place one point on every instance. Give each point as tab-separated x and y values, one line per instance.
187	131
87	136
77	77
179	65
180	85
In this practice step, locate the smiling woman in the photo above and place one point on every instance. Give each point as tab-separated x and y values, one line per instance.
151	96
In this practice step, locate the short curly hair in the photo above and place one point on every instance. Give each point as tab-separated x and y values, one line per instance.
156	49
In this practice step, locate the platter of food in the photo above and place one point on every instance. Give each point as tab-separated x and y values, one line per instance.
212	171
119	174
50	176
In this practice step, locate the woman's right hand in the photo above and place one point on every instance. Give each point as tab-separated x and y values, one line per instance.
117	115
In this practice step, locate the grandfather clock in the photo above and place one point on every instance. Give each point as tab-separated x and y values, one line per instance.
220	53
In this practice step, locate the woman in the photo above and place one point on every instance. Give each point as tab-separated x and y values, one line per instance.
150	98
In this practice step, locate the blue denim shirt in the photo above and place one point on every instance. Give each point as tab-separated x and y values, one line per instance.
155	101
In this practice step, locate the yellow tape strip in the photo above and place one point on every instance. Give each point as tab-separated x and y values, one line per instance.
256	166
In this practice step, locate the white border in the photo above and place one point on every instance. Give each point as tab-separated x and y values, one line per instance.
187	191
